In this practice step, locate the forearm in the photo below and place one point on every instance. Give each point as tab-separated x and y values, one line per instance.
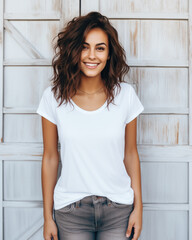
49	179
132	165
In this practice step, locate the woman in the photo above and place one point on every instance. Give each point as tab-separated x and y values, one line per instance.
98	195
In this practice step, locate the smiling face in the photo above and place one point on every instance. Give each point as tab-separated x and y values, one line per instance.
95	53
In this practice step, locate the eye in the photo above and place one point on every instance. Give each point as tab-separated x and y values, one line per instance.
85	47
101	48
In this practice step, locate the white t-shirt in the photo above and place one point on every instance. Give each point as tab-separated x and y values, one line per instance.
92	147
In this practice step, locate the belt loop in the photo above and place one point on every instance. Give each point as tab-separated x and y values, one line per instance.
77	203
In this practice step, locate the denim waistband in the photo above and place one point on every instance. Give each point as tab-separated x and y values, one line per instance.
93	199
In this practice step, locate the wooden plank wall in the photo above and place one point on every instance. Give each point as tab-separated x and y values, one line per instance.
27	28
157	38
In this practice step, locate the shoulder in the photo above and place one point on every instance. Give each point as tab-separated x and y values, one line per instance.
49	98
48	91
126	88
48	94
126	85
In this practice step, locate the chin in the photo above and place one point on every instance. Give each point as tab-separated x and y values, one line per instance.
91	76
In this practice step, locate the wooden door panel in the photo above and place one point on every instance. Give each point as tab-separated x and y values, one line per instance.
167	39
164	182
165	224
29	39
158	129
23	86
23	223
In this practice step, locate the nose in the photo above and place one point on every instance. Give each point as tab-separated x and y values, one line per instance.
91	54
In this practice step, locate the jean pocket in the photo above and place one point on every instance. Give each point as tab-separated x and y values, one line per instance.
66	209
121	205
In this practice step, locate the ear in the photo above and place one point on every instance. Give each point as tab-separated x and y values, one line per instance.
108	57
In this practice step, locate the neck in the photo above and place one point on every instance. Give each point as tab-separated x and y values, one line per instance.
89	84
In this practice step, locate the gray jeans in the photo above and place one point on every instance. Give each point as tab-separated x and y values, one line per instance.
93	218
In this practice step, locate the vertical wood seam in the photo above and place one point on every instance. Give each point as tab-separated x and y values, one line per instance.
1	70
190	201
1	113
1	199
190	71
190	116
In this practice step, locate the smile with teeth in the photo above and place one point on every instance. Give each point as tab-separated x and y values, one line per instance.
91	65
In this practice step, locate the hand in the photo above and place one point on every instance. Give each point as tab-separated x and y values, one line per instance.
50	230
135	220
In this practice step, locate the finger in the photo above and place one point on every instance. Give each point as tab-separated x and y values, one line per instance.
136	234
55	237
129	229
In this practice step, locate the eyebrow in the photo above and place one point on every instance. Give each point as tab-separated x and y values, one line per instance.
98	44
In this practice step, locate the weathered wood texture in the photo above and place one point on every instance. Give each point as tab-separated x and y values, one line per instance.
157	38
27	31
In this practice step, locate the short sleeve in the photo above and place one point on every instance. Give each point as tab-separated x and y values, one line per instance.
46	108
135	105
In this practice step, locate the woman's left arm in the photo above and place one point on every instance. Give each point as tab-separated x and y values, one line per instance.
132	165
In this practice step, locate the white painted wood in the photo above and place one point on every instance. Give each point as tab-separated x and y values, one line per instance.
165	225
172	82
31	232
25	34
32	16
190	200
136	9
20	221
22	204
162	153
1	199
166	207
1	113
148	15
22	128
19	110
87	6
167	40
129	31
164	182
69	10
23	187
164	129
1	75
32	6
29	48
190	77
33	80
27	62
168	110
158	63
123	8
21	151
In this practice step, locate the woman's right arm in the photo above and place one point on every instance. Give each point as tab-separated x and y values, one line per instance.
50	162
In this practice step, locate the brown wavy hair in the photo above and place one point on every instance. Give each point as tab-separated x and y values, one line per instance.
66	62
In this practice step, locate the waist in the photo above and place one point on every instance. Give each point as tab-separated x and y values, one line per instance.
90	200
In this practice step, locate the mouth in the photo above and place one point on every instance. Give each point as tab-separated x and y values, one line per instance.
91	65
